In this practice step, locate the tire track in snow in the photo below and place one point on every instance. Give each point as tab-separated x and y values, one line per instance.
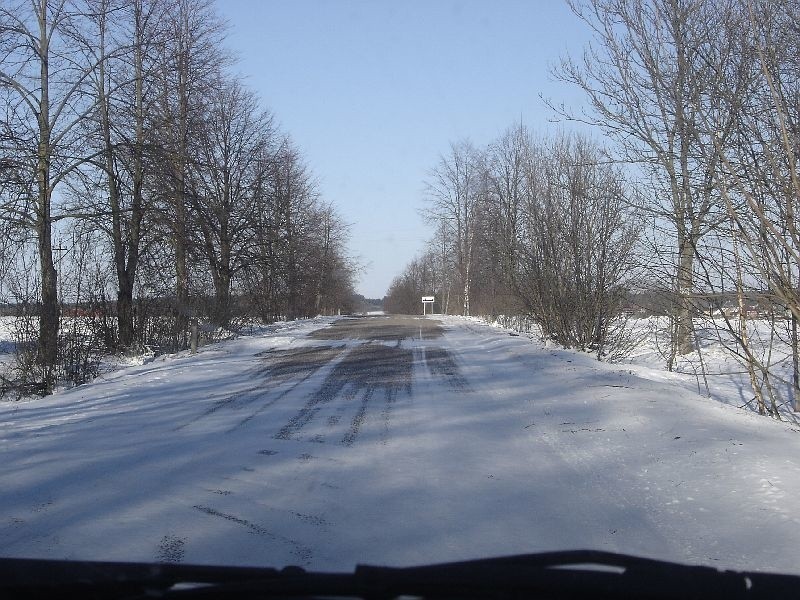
350	437
302	551
269	403
366	369
283	367
442	364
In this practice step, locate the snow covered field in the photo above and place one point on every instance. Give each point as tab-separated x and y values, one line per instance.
717	364
398	443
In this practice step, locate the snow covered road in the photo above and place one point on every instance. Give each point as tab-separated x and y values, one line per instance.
398	441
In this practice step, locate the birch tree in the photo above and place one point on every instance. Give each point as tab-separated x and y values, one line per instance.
760	187
453	192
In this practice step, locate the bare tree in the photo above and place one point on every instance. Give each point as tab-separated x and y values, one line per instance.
575	249
760	186
120	122
330	271
116	197
44	80
454	190
648	77
418	279
191	59
511	162
548	229
225	178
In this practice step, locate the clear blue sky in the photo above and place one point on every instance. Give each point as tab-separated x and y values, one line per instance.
373	92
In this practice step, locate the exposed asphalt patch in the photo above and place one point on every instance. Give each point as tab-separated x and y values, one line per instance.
288	364
381	328
368	372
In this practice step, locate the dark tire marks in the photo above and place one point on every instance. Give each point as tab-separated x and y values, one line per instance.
236	401
283	365
302	551
442	364
386	413
351	435
282	372
368	371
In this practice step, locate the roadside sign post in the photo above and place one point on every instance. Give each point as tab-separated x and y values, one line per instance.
425	301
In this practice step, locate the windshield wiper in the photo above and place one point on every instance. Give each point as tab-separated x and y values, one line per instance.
572	574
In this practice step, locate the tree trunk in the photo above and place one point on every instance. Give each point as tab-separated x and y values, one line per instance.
795	366
466	291
179	232
684	327
125	287
125	319
127	275
181	266
48	319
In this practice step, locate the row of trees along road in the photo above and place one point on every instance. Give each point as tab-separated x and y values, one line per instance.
525	226
696	101
144	187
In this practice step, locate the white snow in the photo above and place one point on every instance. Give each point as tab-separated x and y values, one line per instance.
523	448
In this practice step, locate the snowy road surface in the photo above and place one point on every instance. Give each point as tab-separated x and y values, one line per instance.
392	440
